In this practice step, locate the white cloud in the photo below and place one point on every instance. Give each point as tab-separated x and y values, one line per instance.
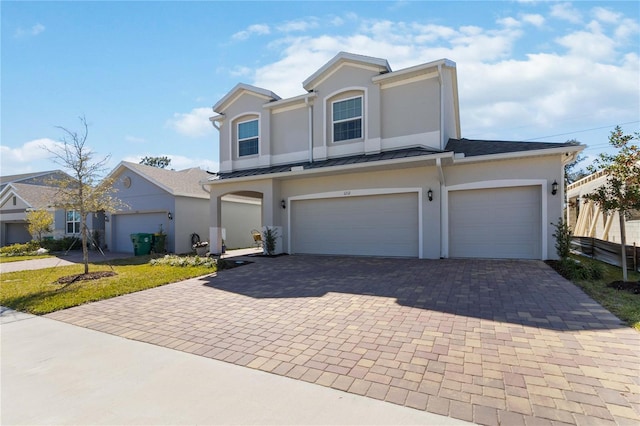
566	12
594	45
194	124
31	156
298	25
509	22
534	19
256	29
606	15
33	31
178	162
240	71
536	92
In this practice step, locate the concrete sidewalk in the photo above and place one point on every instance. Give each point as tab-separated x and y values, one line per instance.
56	373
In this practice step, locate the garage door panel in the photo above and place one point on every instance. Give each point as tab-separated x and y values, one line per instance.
380	225
495	223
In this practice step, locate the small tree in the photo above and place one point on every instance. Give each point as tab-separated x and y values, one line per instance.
80	192
39	222
160	162
563	238
621	192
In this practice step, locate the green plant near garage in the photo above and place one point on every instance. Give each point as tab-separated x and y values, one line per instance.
269	236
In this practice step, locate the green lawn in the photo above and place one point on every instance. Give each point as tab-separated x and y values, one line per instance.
623	304
8	259
38	292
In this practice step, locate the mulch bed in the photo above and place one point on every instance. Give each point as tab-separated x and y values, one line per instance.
630	286
85	277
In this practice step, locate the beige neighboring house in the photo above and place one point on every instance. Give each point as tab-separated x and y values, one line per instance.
370	161
588	220
32	191
175	202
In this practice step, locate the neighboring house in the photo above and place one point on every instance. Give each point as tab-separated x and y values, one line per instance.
34	191
175	202
588	220
370	161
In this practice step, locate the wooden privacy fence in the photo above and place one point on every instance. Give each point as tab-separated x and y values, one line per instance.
607	251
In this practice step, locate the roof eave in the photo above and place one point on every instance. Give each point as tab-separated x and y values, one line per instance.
570	151
333	169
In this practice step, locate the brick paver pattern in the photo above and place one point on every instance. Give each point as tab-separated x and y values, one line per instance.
492	342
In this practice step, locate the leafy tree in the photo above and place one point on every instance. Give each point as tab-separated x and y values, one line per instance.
572	175
80	191
39	222
160	162
621	192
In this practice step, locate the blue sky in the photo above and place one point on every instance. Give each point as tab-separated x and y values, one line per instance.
145	74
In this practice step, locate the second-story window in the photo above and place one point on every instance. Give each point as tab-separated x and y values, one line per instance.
248	138
347	119
73	222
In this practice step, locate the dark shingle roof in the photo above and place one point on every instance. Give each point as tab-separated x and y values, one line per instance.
354	159
472	148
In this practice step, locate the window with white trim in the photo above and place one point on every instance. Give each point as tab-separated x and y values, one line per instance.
347	119
248	138
73	222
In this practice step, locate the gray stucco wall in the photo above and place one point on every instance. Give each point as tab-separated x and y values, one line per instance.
411	109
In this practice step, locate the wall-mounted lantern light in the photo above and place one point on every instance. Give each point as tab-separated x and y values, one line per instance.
430	194
170	216
283	203
554	188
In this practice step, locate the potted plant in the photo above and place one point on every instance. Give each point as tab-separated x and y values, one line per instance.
201	248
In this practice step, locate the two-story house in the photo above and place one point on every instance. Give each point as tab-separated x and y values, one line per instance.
370	161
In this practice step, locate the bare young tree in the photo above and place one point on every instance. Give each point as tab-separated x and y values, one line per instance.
81	191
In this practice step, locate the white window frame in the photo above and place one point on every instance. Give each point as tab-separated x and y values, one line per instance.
238	139
74	222
360	117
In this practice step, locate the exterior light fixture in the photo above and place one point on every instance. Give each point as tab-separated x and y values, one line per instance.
430	194
283	203
169	215
554	188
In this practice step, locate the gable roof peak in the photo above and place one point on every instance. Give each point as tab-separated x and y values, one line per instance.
381	64
240	88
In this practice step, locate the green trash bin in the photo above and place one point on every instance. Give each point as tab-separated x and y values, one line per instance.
158	243
141	243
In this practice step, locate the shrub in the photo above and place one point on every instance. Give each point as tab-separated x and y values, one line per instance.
269	238
64	244
563	238
574	270
20	249
184	261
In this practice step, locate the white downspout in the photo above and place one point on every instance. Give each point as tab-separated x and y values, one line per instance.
310	108
442	144
444	212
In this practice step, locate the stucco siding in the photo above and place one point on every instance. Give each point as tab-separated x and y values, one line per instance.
290	132
238	220
191	216
412	108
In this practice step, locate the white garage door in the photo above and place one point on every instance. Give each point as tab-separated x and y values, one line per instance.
377	225
123	225
495	223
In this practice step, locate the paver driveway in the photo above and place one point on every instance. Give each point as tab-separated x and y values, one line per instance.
507	342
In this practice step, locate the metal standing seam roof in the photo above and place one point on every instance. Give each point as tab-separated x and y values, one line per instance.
468	147
354	159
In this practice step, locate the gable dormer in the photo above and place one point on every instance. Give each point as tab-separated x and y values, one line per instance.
244	128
